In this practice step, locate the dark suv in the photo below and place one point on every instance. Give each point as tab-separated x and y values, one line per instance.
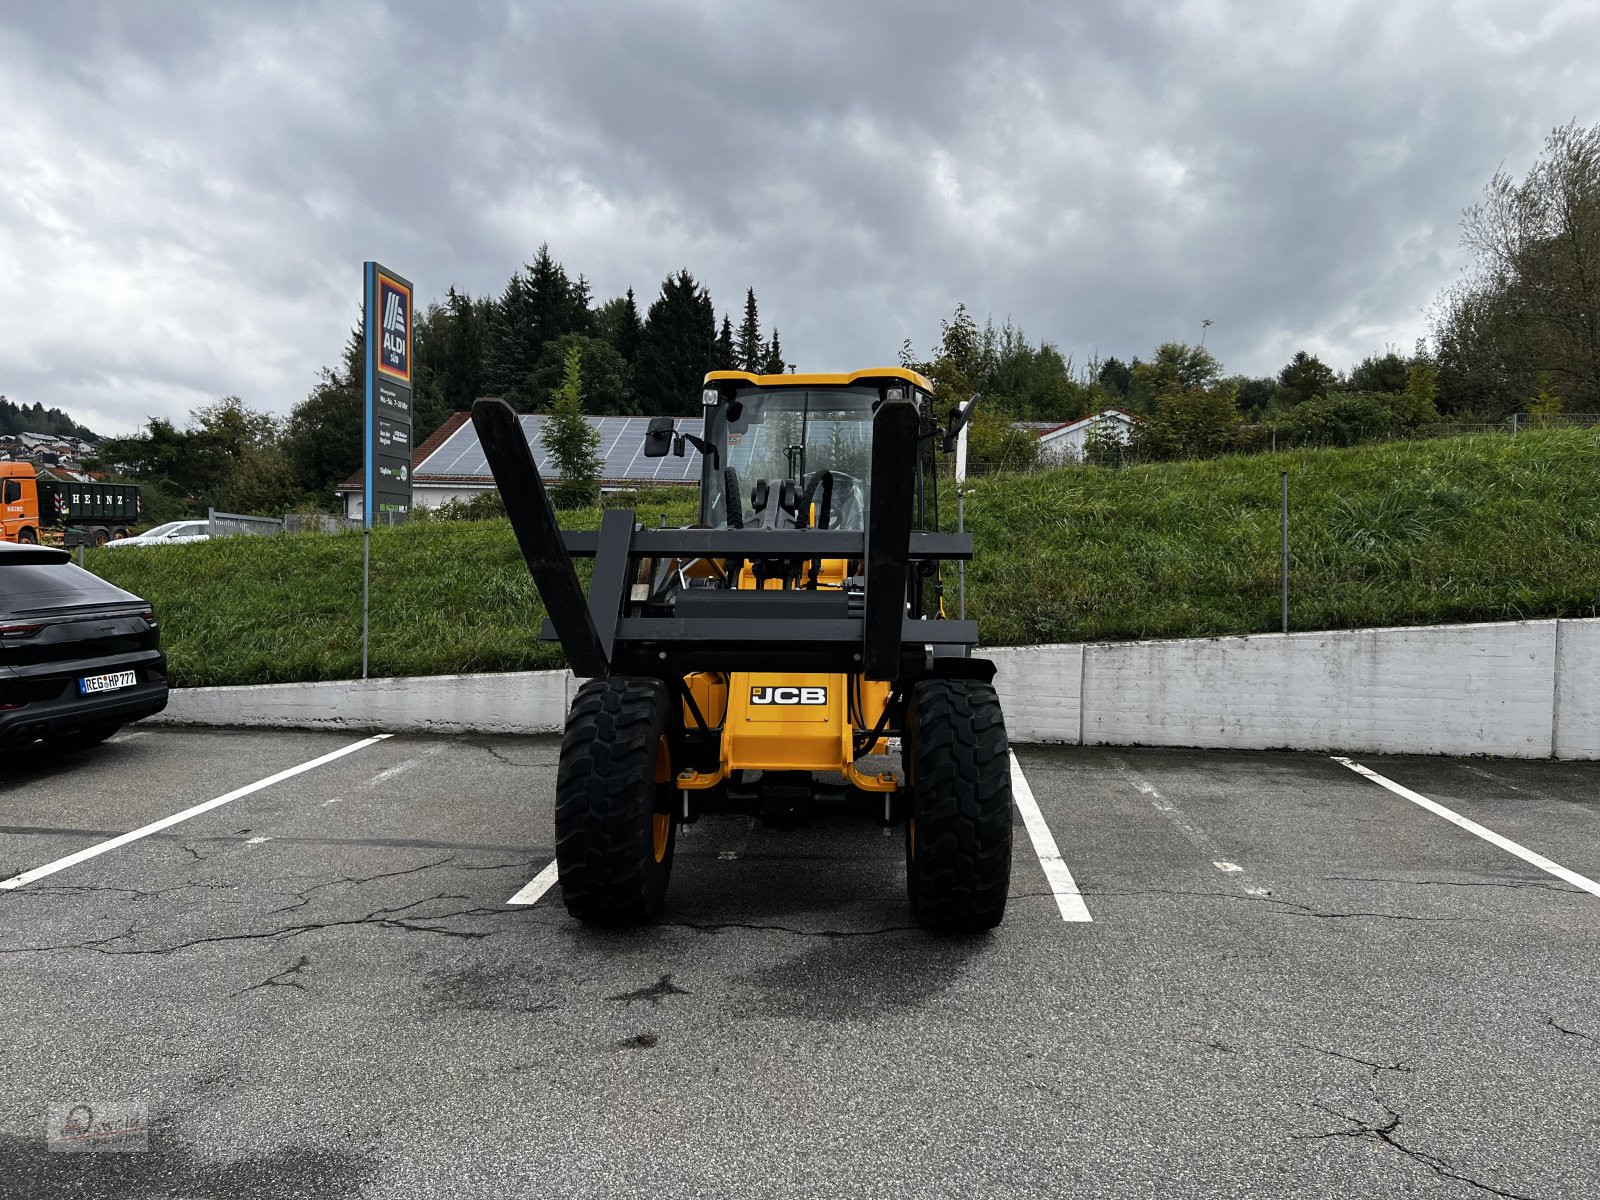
78	657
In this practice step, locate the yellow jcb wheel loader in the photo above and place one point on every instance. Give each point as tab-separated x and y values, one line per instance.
785	637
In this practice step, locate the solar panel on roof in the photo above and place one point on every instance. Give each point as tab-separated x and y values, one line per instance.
621	451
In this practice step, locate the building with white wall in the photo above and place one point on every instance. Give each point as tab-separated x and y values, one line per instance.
1064	443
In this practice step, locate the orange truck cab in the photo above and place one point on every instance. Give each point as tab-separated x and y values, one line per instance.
63	512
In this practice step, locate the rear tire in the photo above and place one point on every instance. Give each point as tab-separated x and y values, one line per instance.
82	739
958	840
615	834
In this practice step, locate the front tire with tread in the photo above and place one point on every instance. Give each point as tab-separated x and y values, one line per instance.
613	795
958	771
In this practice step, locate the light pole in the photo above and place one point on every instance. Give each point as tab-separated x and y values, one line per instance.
1205	324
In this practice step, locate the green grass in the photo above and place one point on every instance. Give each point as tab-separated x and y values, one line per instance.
447	597
1459	529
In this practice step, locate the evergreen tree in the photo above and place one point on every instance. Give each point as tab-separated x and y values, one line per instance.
774	360
429	369
556	306
540	304
579	315
1305	377
722	358
676	347
750	354
463	351
1116	377
503	364
35	418
572	442
629	332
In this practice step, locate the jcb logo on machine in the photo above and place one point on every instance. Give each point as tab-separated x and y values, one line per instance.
788	695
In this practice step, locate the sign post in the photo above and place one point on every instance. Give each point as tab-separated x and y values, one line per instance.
964	415
386	491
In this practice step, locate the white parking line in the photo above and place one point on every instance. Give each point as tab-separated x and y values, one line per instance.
123	839
1488	835
1068	898
542	883
1196	836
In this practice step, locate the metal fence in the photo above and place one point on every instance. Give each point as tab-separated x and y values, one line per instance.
221	524
318	523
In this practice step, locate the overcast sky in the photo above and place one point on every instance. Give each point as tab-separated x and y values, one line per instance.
187	191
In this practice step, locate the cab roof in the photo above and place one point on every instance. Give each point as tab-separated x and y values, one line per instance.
870	374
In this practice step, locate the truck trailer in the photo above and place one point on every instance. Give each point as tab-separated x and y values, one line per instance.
63	513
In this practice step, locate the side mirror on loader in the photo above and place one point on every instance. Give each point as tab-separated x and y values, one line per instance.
658	438
956	422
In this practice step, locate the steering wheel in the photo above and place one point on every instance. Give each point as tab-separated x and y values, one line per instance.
846	506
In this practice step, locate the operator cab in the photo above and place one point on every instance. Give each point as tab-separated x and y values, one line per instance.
794	451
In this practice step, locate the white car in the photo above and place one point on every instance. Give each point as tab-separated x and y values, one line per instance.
169	534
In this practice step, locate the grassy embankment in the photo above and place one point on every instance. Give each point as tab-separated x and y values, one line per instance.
1461	529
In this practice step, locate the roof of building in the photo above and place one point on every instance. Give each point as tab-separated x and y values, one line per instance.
1070	426
451	454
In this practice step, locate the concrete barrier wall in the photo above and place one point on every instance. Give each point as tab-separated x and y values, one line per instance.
1456	689
1516	689
1577	701
516	702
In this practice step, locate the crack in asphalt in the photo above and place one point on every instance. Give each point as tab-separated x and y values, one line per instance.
284	978
1282	906
1551	1021
509	761
493	753
1400	1066
76	889
1528	884
1384	1132
386	918
304	897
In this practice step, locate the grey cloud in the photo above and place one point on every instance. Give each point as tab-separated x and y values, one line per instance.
189	190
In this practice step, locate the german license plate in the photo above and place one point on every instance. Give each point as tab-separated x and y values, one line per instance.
93	685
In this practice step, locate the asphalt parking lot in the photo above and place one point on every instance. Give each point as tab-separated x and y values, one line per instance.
1294	982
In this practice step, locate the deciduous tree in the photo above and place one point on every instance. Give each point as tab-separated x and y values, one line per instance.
572	442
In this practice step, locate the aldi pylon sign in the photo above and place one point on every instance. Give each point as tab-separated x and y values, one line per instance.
388	312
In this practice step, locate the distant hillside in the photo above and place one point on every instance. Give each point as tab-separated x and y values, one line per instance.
35	418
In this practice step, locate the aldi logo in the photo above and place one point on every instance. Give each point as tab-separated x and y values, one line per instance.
394	307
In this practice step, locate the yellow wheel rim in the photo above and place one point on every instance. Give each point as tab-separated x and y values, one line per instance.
661	824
